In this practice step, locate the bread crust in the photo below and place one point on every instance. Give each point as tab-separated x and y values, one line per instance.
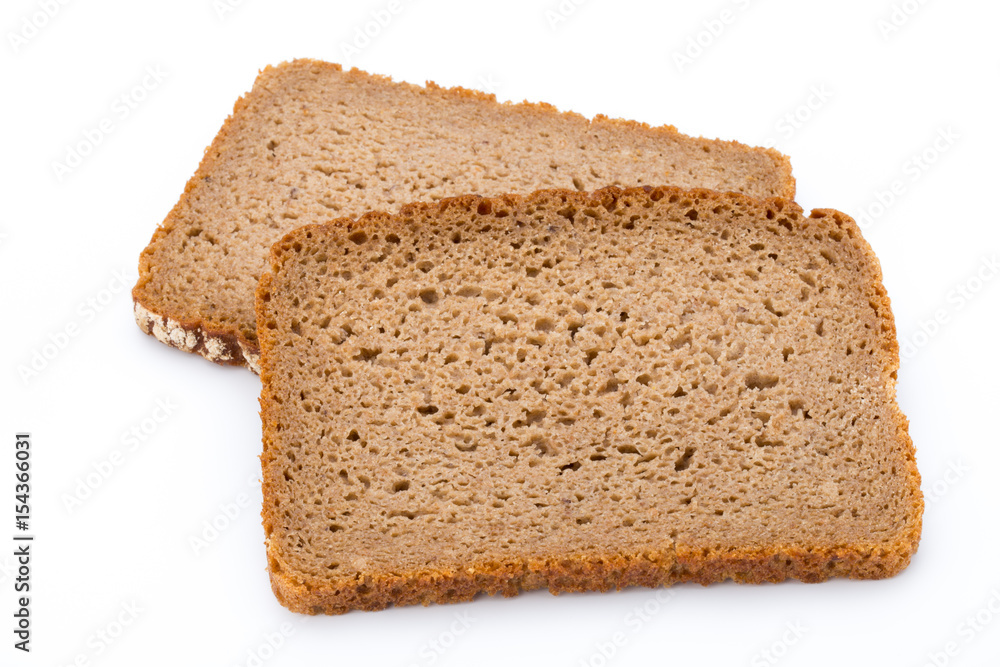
664	566
233	347
220	347
586	573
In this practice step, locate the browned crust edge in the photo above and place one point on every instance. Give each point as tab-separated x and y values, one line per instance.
238	350
577	573
221	347
583	573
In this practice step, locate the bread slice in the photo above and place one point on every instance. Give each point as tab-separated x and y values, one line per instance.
311	143
580	392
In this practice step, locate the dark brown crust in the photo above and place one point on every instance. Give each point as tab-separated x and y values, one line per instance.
675	564
229	352
237	341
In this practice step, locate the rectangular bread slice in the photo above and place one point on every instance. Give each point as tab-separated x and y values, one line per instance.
580	392
311	143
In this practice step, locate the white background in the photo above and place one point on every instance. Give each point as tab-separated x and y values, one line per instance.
881	93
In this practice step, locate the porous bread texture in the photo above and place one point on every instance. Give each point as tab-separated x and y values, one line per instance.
580	392
311	143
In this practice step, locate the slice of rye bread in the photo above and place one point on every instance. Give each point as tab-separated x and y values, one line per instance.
578	391
311	143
